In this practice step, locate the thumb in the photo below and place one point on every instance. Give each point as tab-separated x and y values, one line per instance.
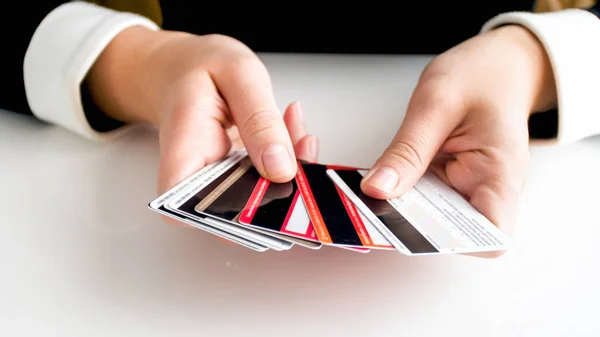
425	128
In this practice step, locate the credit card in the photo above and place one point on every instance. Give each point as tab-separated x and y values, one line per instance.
431	218
278	208
157	205
335	219
184	203
226	198
210	229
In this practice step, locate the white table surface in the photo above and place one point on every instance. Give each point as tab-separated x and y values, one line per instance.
81	255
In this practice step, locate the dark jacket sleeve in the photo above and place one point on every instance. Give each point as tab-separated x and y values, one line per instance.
16	29
16	37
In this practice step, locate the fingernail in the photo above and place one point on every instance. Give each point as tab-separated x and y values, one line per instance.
277	161
384	179
314	147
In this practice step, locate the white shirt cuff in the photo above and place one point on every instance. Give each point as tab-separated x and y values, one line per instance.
61	52
572	40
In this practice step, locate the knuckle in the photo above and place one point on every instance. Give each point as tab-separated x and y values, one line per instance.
224	41
228	50
233	58
435	70
405	153
260	123
245	63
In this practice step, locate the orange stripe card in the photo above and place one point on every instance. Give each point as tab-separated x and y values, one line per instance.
369	235
335	218
311	207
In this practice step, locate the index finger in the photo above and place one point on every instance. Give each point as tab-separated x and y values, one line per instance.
246	86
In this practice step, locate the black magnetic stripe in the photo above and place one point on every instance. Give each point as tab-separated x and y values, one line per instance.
275	205
231	203
337	220
387	214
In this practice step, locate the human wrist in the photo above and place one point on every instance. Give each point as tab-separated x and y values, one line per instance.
539	68
120	77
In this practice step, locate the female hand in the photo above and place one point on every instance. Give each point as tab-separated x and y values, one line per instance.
467	120
205	94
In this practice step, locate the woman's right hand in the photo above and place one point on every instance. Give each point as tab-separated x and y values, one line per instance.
205	93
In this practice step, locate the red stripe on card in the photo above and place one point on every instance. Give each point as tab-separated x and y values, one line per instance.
310	231
311	207
255	198
289	213
364	236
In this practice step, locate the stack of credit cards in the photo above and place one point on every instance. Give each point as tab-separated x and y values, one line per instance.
324	205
